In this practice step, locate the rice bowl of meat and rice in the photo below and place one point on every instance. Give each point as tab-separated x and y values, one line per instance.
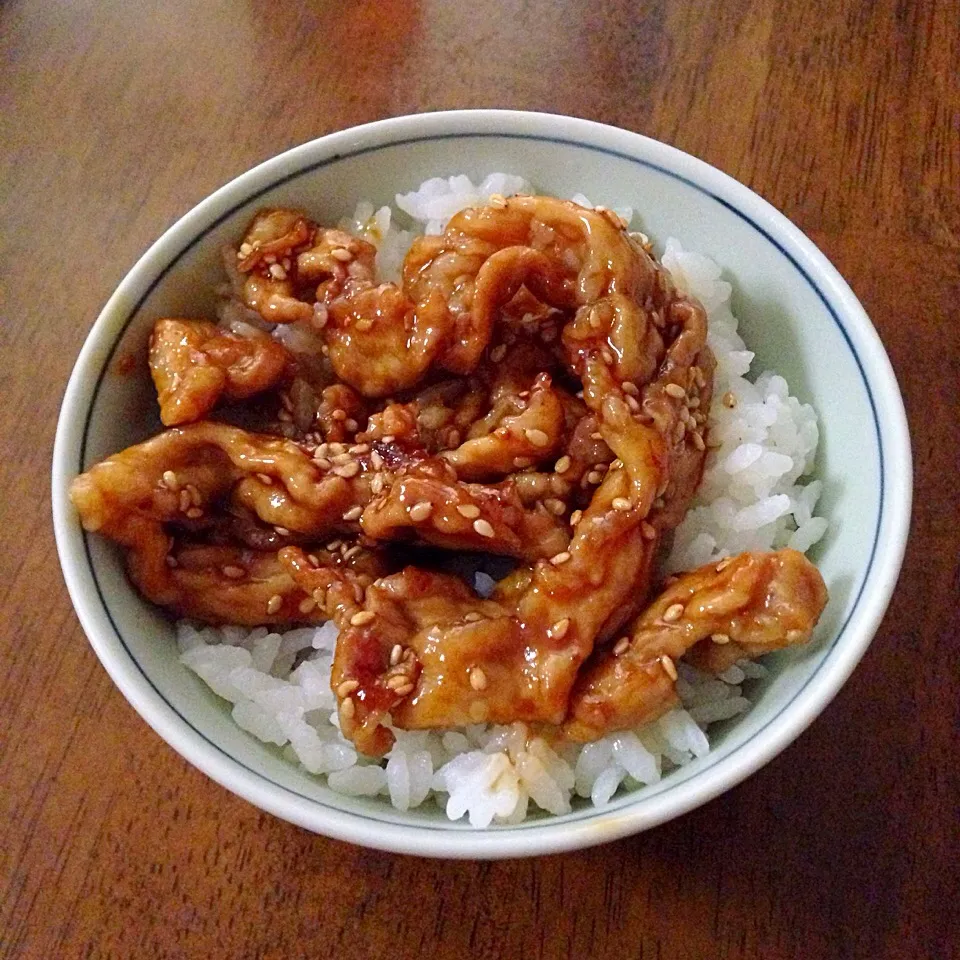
295	680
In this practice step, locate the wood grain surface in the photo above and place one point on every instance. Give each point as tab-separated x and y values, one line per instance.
117	117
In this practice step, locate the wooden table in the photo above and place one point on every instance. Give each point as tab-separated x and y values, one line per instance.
117	117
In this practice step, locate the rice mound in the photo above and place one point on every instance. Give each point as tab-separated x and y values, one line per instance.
762	441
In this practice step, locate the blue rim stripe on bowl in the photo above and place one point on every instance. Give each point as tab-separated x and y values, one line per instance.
675	778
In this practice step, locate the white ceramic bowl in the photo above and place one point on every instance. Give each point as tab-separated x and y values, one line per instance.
797	314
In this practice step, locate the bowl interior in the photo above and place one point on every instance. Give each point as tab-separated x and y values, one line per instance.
790	316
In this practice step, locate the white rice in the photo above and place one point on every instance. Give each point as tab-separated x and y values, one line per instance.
763	441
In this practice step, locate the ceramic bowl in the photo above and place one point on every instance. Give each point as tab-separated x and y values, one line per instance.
796	312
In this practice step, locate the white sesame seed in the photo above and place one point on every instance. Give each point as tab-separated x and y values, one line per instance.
364	324
233	573
483	527
194	513
630	388
673	613
720	638
563	464
498	353
669	667
559	558
468	510
557	507
341	254
353	513
539	438
347	687
622	504
307	605
729	400
575	517
347	709
277	272
274	603
473	617
521	463
170	480
478	679
620	647
420	511
362	617
648	531
559	630
396	654
283	531
723	564
675	390
698	441
320	316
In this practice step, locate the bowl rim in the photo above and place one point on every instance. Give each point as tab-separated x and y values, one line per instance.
544	836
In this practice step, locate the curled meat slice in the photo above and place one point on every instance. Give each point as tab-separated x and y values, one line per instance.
744	606
428	503
193	363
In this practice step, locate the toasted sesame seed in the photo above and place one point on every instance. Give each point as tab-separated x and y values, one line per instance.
563	464
559	630
362	617
575	517
353	513
622	504
320	316
351	425
621	646
498	353
693	403
376	484
245	249
557	507
265	479
233	573
473	617
334	545
560	558
364	324
539	438
723	564
633	403
673	613
647	530
398	680
698	441
720	638
469	510
376	461
341	254
669	667
347	470
596	435
607	355
339	414
336	448
479	711
359	448
594	476
404	691
322	462
307	605
420	511
729	400
675	390
352	552
194	513
170	480
347	687
396	654
320	595
630	388
596	321
274	603
521	463
498	200
483	527
478	679
347	709
277	272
